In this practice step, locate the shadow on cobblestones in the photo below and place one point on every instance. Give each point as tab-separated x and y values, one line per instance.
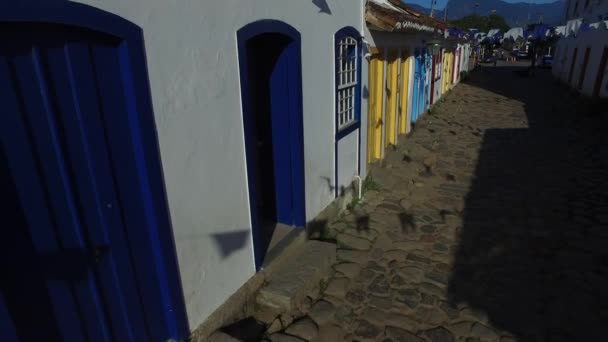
533	250
407	221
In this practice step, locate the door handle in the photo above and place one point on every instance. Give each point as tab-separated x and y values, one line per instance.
97	252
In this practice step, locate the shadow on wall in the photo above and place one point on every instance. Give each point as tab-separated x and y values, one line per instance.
230	242
323	6
533	251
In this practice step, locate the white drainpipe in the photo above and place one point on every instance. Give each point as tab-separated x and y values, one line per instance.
358	178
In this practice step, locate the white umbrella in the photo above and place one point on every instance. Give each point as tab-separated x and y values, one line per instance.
515	33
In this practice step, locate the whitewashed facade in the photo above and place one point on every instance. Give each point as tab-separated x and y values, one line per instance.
193	64
580	58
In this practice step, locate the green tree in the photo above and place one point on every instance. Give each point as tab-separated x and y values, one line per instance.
483	23
495	21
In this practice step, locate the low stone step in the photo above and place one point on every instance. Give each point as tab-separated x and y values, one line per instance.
296	277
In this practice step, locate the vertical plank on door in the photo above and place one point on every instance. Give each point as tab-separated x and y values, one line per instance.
23	160
403	103
391	97
376	93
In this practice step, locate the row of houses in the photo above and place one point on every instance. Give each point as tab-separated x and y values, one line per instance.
152	150
581	56
413	62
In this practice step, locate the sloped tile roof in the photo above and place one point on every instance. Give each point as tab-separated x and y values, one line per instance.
394	16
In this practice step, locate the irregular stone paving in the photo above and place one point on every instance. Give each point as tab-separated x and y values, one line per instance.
491	225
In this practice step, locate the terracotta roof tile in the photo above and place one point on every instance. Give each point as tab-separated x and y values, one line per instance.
400	18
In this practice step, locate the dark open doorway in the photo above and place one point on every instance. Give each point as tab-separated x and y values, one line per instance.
269	56
264	51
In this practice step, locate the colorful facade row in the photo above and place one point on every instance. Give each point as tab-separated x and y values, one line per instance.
413	62
152	151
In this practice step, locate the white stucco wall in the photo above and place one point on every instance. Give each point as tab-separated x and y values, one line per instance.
347	159
595	11
437	82
457	54
596	40
464	57
192	62
563	58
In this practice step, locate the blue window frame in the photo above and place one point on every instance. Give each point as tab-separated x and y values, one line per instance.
348	80
348	90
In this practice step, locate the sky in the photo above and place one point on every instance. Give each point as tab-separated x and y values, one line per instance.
441	3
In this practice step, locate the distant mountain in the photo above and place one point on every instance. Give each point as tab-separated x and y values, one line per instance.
516	14
421	9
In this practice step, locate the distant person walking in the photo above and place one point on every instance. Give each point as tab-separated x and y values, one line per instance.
533	62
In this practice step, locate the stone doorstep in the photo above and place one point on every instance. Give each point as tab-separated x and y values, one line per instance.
242	303
297	252
291	282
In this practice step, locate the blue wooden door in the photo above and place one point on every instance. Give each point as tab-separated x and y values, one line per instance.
415	87
7	327
279	98
80	166
428	80
270	72
421	84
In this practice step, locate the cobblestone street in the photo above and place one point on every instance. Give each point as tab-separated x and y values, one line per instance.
490	224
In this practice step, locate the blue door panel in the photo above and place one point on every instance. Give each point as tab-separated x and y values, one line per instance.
23	164
416	86
71	72
77	155
279	90
428	80
134	204
40	107
286	126
7	329
294	75
421	100
423	83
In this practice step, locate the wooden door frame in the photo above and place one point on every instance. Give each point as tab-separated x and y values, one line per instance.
168	309
245	34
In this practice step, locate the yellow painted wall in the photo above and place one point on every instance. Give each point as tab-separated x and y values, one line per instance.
374	120
447	76
391	97
444	73
405	72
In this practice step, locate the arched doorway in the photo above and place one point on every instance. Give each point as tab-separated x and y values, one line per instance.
271	93
89	254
